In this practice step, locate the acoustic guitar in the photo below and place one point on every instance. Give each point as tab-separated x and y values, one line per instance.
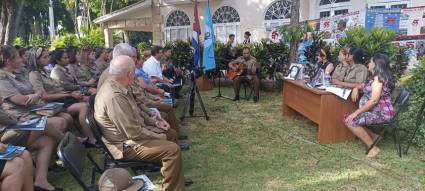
232	74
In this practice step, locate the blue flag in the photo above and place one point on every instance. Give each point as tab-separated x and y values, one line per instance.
208	58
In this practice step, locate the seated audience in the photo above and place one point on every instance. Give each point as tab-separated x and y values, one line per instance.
356	73
124	130
102	59
76	69
341	68
249	75
375	106
170	71
52	92
63	76
144	80
87	64
323	61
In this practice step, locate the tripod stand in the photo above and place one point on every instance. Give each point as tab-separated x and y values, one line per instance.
220	74
190	99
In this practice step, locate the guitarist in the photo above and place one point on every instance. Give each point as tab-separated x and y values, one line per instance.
244	68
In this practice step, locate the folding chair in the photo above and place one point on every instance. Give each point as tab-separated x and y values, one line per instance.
420	119
109	160
72	153
393	125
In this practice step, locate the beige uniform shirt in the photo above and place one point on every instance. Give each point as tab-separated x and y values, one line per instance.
356	74
64	78
339	72
40	80
249	65
6	119
77	71
11	85
118	115
101	64
91	70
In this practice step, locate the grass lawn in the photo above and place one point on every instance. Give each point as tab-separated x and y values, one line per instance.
250	146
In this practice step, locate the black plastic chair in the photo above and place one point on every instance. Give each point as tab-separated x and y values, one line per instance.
420	119
72	153
109	160
393	125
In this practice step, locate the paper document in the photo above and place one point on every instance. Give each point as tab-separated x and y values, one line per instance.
148	185
340	92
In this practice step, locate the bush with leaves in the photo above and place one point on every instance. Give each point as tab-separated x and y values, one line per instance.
416	85
66	40
142	46
38	40
19	41
182	53
94	38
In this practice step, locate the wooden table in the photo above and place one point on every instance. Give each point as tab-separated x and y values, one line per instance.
323	108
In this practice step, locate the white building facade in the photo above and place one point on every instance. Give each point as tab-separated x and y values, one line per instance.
172	20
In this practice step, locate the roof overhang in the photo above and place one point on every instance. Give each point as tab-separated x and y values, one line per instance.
124	11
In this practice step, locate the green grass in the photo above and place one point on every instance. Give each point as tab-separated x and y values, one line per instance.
250	146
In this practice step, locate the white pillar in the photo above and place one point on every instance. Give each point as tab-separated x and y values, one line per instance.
52	22
109	41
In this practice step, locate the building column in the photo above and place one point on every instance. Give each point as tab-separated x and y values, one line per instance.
157	20
109	41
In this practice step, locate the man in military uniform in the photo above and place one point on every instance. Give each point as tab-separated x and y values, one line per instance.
249	76
124	129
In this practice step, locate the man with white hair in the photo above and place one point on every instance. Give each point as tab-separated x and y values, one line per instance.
117	113
143	100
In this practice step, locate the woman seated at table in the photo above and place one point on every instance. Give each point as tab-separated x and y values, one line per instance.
76	69
341	68
16	174
375	105
323	61
356	73
63	77
38	58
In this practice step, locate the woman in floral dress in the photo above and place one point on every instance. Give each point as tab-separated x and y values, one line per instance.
375	105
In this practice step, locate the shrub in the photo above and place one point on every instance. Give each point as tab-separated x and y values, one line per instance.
182	53
66	40
94	38
19	41
38	40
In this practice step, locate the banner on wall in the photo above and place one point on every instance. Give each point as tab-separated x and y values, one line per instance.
334	27
412	21
383	18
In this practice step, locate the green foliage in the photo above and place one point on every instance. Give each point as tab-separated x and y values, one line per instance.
291	33
378	40
182	53
19	41
66	40
94	38
38	40
142	46
399	62
316	45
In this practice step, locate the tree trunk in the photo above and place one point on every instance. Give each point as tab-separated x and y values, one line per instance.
18	18
10	27
3	22
295	19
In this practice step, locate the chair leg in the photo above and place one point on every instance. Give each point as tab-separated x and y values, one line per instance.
409	142
397	141
377	139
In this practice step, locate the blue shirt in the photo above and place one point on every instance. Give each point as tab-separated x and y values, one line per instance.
140	73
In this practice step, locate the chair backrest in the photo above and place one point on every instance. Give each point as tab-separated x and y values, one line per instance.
401	101
72	153
95	128
420	119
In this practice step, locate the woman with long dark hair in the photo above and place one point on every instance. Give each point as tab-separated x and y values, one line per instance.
324	61
38	58
375	105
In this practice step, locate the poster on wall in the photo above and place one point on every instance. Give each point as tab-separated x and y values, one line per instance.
334	27
412	22
383	18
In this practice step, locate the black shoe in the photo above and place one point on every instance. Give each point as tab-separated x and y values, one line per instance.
183	137
184	146
188	182
89	145
236	98
255	98
56	168
37	188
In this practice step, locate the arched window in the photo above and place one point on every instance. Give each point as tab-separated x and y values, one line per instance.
278	14
378	4
329	8
177	26
226	21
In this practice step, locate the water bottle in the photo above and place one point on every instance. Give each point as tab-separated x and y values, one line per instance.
327	80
